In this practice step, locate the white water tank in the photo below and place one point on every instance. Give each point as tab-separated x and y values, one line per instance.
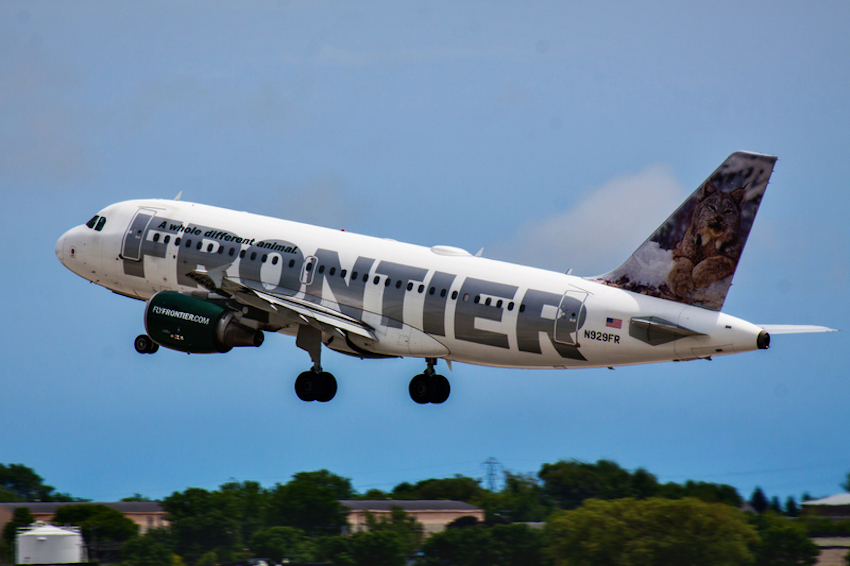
47	544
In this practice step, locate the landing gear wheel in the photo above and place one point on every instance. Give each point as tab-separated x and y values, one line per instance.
307	386
442	389
421	388
144	344
328	387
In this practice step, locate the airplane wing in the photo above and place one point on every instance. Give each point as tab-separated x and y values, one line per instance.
325	319
795	328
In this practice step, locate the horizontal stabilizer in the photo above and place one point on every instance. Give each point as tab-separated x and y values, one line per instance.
795	328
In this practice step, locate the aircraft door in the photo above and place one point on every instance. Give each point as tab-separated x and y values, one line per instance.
132	247
307	269
570	317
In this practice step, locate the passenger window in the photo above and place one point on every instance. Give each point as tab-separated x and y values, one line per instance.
156	237
265	257
209	248
511	306
454	295
342	273
465	297
100	223
332	271
93	221
397	284
488	301
522	308
376	279
321	269
421	288
291	262
253	256
189	243
310	266
365	277
353	275
166	239
431	291
477	299
499	304
231	252
410	286
177	241
200	244
241	254
443	293
274	260
220	249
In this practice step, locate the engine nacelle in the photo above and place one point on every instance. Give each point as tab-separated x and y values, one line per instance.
193	325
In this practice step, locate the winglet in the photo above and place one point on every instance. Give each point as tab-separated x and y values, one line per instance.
692	256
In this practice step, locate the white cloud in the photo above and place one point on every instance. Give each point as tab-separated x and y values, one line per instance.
603	230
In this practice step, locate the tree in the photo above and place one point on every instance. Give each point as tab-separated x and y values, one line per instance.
281	544
21	517
97	521
519	500
758	500
791	508
362	549
568	484
311	502
203	521
846	484
501	545
783	542
458	488
21	483
154	548
775	506
651	531
137	497
408	530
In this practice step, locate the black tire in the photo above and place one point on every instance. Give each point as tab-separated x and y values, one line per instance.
307	386
421	388
442	389
154	347
144	344
328	388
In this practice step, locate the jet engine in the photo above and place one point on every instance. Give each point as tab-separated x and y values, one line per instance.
193	325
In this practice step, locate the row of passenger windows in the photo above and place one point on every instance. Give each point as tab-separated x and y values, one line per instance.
488	301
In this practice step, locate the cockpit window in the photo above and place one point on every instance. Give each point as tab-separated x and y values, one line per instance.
100	223
93	221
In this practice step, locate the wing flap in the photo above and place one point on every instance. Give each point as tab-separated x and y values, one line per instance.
308	312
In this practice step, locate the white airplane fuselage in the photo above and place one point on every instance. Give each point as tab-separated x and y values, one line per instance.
438	302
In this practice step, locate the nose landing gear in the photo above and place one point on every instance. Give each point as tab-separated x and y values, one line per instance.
144	344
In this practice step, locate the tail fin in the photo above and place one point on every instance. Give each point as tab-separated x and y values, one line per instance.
692	257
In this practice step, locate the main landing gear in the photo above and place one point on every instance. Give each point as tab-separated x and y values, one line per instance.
429	387
145	345
314	384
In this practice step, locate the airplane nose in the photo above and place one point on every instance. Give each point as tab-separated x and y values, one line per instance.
60	248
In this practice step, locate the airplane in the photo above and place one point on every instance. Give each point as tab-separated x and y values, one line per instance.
213	279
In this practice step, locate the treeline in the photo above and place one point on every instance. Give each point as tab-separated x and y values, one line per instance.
592	513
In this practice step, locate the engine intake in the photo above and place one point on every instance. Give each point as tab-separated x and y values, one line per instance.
193	325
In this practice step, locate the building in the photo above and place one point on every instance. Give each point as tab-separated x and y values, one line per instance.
834	506
434	515
146	514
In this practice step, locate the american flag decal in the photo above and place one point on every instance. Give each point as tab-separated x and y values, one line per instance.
614	322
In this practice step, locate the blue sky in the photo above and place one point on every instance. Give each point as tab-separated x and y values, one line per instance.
551	134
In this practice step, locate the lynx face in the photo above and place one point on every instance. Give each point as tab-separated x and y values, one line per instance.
717	217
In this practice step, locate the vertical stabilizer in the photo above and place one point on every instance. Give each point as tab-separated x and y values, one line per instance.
692	256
